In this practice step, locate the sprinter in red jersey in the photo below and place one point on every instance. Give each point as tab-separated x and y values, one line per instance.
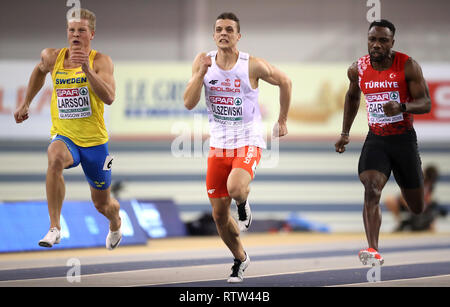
394	90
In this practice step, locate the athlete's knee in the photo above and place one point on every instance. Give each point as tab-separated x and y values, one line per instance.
101	203
414	199
373	182
238	190
56	162
372	193
101	206
57	159
221	217
417	206
417	210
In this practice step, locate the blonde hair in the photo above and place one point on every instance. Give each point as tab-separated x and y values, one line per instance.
84	14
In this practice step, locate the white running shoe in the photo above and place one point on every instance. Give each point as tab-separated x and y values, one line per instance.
113	239
244	216
237	270
53	236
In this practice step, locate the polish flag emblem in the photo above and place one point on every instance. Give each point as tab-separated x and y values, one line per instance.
237	83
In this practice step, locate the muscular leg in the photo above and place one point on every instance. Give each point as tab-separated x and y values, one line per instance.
414	199
374	183
59	158
108	206
227	227
238	184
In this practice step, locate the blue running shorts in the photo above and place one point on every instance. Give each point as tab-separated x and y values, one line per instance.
95	161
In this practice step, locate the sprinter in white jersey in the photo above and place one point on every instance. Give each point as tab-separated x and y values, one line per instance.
231	81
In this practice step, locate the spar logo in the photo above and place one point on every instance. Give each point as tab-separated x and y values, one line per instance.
378	97
71	92
382	97
225	100
221	100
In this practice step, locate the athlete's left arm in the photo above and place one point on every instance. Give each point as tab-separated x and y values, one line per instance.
261	69
101	78
418	89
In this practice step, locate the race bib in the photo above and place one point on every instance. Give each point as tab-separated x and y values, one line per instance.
375	110
226	110
73	103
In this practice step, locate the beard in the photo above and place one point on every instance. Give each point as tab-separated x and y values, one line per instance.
378	57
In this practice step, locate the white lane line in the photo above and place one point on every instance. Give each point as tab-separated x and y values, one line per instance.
168	283
246	277
293	272
202	267
392	281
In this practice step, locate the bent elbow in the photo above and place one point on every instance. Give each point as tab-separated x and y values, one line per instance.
287	83
188	105
109	100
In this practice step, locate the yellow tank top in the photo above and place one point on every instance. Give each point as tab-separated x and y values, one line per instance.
76	110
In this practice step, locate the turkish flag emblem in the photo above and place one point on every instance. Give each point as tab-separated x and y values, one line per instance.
237	83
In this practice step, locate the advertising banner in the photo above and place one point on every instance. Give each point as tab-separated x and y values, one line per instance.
151	98
149	102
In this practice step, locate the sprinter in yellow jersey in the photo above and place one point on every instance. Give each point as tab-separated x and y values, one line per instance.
83	81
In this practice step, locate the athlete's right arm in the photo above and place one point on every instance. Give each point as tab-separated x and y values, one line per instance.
351	106
37	80
193	90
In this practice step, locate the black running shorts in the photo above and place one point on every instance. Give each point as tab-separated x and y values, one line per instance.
396	153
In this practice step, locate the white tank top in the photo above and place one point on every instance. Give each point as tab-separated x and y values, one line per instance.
232	104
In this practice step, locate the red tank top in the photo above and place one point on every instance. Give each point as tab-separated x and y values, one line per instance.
380	87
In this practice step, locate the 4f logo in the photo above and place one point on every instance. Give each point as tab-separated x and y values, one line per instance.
213	82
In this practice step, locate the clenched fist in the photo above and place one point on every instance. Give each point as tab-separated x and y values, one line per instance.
21	114
392	108
205	63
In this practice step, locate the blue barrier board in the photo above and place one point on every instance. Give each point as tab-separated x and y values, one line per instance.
23	224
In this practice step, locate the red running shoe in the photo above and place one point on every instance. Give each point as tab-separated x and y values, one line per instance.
370	256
